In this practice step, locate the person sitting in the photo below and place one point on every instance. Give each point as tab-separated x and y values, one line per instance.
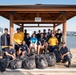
42	43
53	42
23	49
33	44
65	54
9	53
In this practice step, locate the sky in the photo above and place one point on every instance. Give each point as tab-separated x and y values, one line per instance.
71	24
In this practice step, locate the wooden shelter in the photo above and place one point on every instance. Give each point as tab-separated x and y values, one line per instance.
49	14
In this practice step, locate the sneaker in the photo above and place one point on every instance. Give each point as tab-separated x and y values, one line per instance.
69	64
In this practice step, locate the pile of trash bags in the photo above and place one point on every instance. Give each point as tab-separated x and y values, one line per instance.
29	61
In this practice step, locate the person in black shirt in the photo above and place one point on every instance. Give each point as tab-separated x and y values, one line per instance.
9	53
49	34
24	49
27	39
59	36
65	54
38	35
25	33
44	32
42	43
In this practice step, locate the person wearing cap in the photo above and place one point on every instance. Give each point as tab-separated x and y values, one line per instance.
59	36
44	32
9	53
17	45
65	54
5	38
49	34
25	33
38	34
18	30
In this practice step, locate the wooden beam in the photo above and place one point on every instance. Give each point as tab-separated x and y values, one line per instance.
54	28
37	26
22	27
37	10
11	30
38	22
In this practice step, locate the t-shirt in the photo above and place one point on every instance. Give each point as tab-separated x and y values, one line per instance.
27	41
53	41
12	51
42	41
34	40
24	47
38	36
64	50
58	36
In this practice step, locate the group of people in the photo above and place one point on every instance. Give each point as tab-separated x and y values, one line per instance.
41	42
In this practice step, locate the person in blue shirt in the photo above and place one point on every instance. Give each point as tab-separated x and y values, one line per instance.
24	49
65	54
9	53
33	43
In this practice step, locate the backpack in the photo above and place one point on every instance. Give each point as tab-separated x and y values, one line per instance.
41	62
51	59
3	64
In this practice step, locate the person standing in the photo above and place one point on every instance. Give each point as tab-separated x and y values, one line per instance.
53	42
59	36
5	38
27	39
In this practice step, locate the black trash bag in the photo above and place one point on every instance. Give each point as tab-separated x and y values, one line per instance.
13	64
19	63
51	59
3	64
29	62
58	56
32	50
41	62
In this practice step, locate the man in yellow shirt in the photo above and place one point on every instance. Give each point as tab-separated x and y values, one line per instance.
53	41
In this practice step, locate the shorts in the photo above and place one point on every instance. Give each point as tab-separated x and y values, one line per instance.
33	45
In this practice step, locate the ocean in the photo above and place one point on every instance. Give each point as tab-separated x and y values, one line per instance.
71	41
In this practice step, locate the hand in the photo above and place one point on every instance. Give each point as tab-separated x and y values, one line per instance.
62	56
13	57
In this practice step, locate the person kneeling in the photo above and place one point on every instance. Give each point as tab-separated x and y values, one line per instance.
65	54
9	53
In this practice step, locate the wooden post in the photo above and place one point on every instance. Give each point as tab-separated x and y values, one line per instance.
54	28
11	30
64	29
22	27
